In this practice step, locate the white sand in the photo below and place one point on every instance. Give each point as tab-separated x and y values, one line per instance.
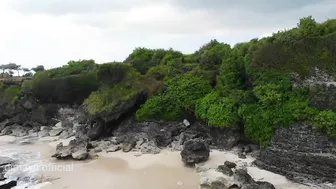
120	170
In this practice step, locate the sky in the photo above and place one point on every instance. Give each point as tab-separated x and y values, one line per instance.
52	32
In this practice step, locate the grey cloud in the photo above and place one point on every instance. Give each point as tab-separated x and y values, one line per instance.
61	7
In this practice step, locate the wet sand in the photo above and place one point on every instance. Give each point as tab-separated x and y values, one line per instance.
120	170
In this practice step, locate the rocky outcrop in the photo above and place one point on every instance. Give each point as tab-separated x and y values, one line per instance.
195	152
77	150
225	177
302	154
4	161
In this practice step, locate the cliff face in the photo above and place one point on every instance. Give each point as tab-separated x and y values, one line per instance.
302	154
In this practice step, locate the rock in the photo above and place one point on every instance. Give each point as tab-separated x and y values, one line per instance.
139	143
77	149
55	132
8	185
67	134
92	154
97	150
241	156
242	177
163	138
19	131
97	127
113	149
58	125
59	146
5	161
67	124
81	132
128	146
301	153
80	154
225	170
138	154
247	149
39	115
149	148
6	131
186	122
194	152
28	102
250	186
82	119
44	133
230	165
265	185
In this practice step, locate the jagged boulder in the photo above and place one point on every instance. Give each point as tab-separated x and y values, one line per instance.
239	179
195	151
77	149
302	154
28	102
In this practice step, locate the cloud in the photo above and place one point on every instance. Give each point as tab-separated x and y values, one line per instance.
52	32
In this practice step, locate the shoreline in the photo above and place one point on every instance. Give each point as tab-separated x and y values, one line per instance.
131	171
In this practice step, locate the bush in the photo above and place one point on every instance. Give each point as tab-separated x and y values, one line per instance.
326	120
107	98
10	94
73	68
218	111
275	108
113	73
187	89
69	89
179	97
160	108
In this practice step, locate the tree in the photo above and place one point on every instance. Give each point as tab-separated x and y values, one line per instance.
11	73
38	68
3	68
29	74
13	66
25	70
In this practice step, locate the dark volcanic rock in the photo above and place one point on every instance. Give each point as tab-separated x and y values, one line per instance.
28	102
195	152
229	164
302	154
225	170
243	177
8	185
97	128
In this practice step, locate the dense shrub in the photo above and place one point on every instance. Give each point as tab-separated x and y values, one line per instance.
160	108
69	89
326	120
113	73
179	97
107	98
218	111
10	94
73	68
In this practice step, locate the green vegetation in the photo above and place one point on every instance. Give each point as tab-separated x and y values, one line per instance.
68	84
179	97
10	93
249	84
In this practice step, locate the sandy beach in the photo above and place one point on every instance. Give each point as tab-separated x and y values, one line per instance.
130	171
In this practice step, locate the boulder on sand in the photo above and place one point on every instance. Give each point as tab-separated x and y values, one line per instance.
195	151
77	149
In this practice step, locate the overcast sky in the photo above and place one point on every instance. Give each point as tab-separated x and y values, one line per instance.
52	32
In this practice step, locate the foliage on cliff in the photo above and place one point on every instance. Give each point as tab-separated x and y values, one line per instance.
249	84
179	97
119	84
71	83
